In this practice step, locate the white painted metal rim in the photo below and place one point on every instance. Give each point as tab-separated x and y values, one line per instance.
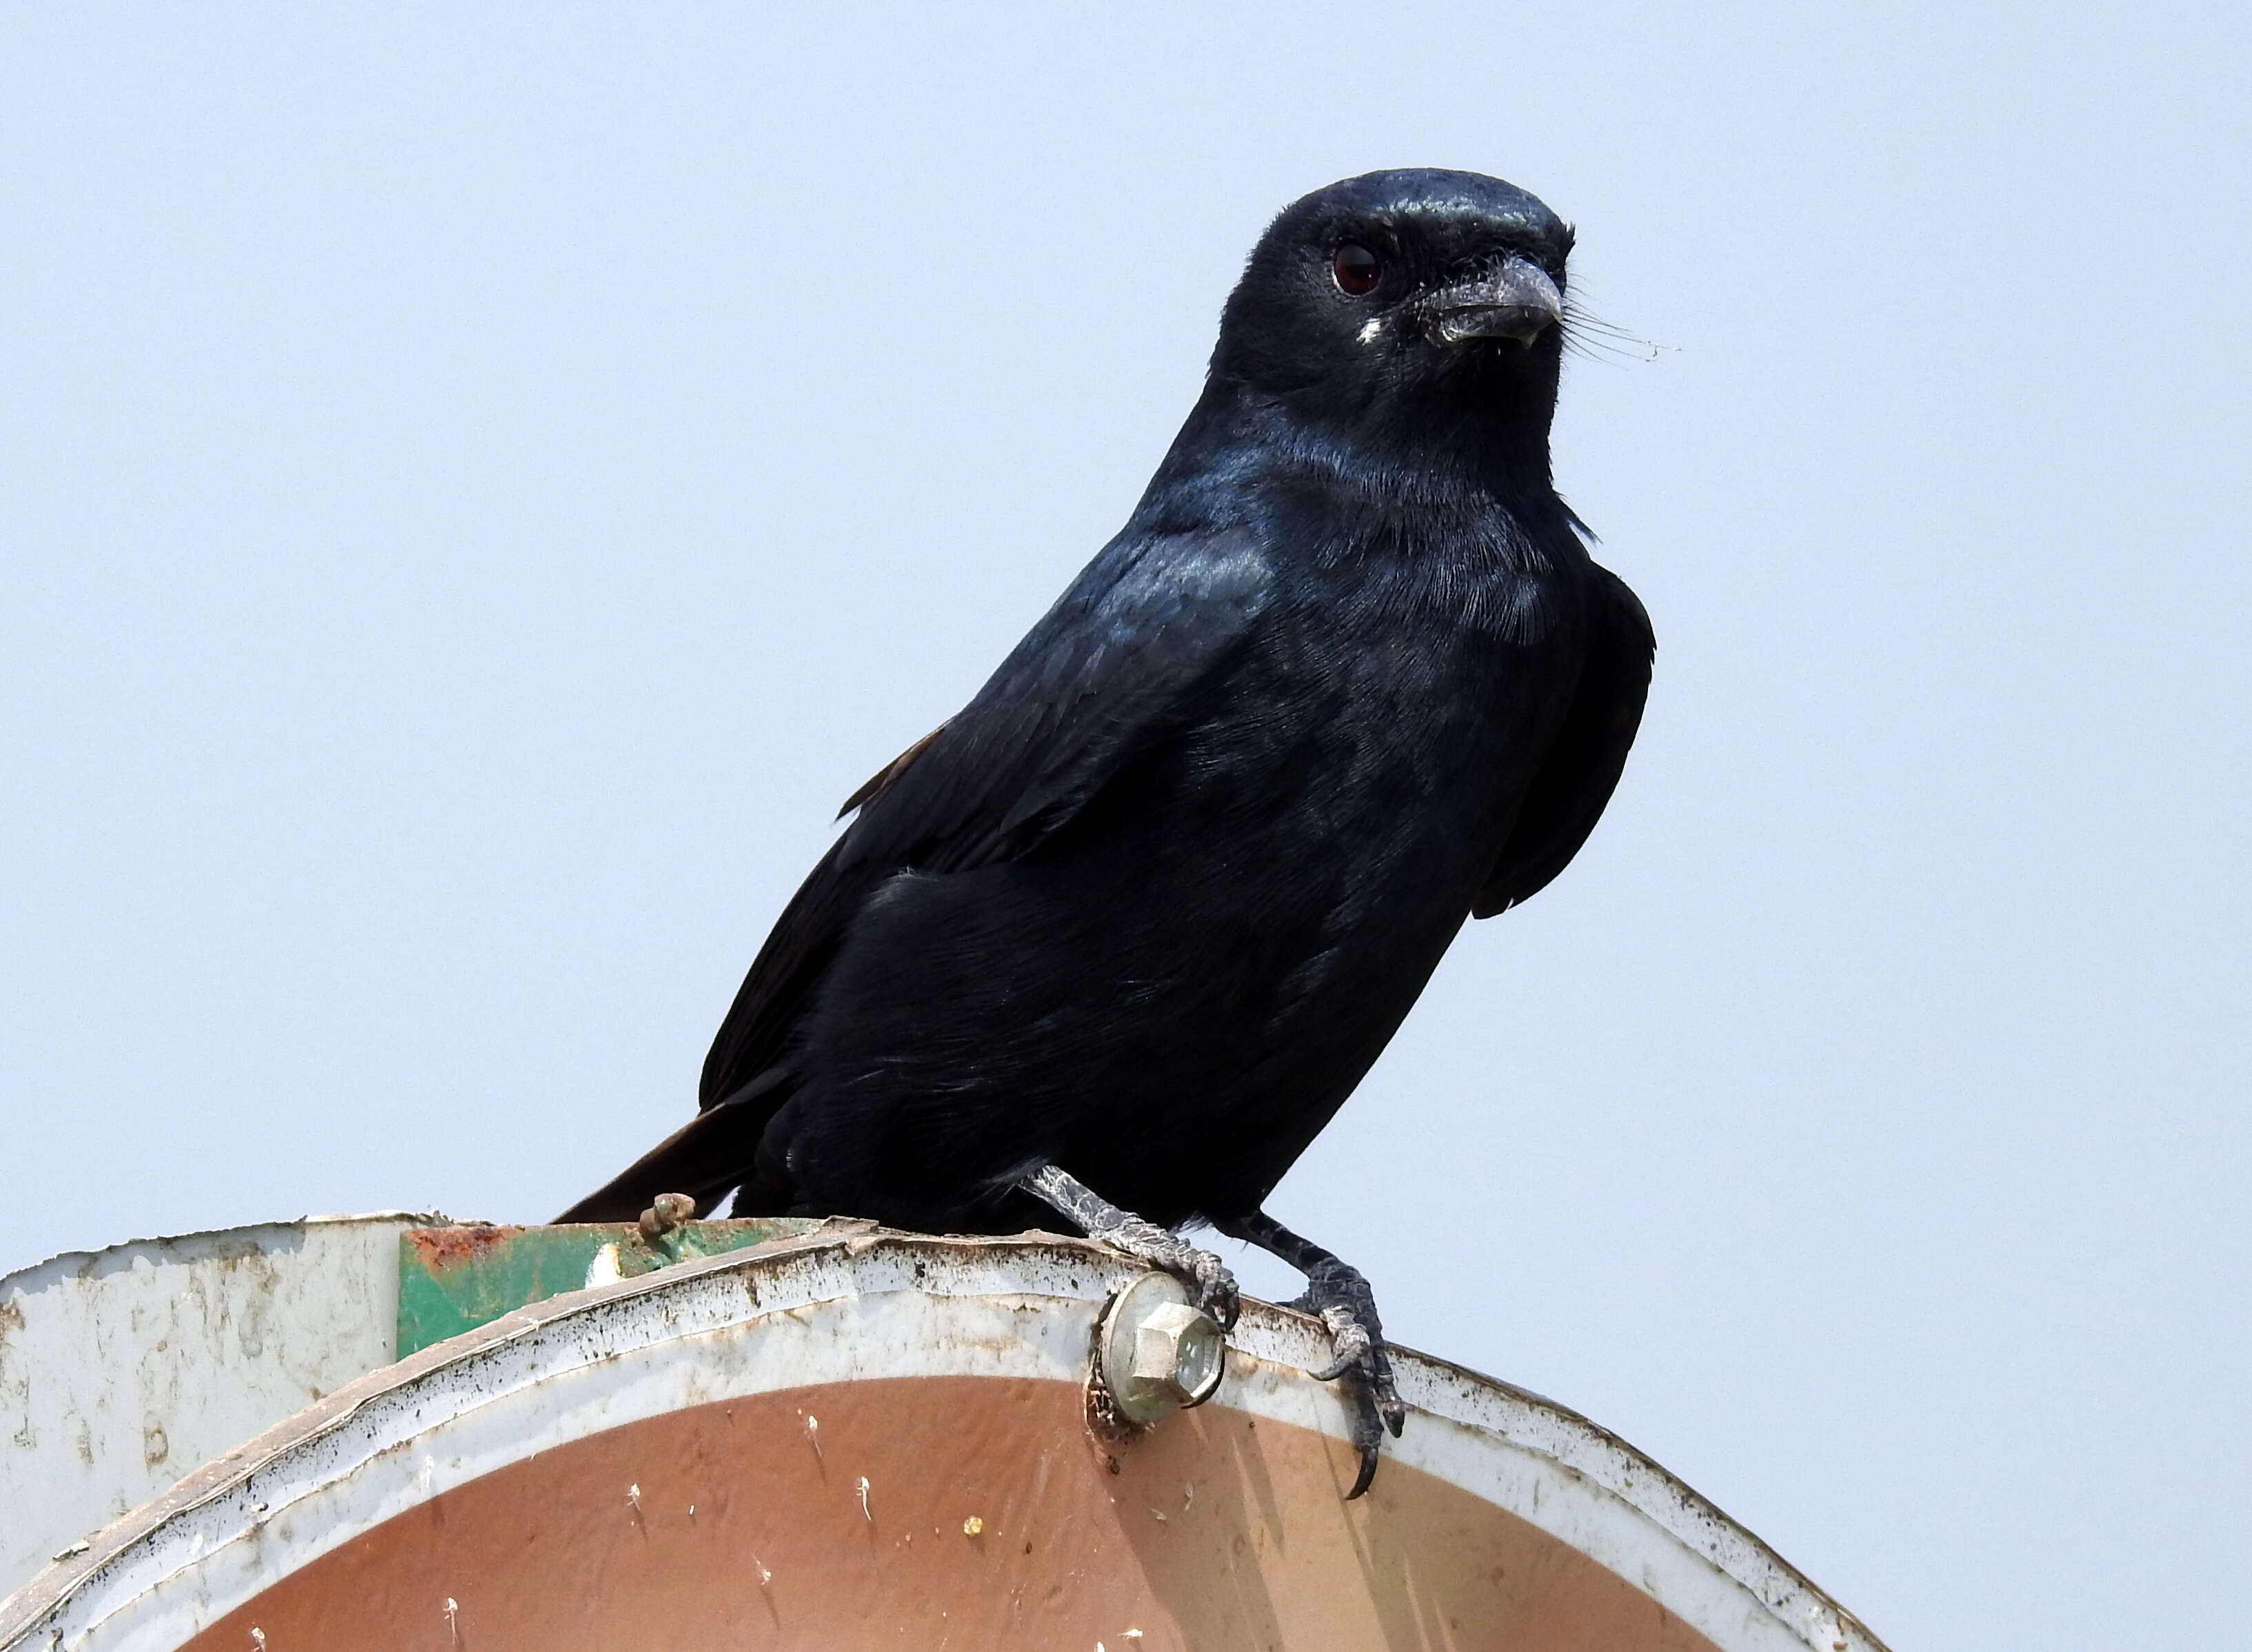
63	1263
122	1369
847	1303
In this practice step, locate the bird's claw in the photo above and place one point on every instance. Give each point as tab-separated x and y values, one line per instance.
1348	1309
1349	1341
1211	1287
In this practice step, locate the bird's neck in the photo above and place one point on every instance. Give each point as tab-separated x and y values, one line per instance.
1460	451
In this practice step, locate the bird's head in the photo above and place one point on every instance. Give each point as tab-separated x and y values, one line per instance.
1394	300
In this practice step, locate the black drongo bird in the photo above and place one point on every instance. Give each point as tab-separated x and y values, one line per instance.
1122	935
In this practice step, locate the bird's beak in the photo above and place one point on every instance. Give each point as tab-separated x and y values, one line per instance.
1515	300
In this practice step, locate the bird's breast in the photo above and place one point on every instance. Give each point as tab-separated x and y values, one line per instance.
1385	735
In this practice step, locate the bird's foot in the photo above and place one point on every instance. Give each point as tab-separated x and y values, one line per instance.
1339	1295
1211	1287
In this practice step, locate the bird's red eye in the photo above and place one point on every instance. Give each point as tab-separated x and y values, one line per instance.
1355	269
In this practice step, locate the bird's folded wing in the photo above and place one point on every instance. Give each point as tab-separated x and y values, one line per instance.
1106	677
1576	781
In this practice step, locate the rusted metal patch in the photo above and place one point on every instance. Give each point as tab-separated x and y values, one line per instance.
439	1248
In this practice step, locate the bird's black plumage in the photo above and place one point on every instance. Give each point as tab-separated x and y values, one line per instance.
1150	905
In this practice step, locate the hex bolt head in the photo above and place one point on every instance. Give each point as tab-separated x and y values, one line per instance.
1178	1350
1159	1353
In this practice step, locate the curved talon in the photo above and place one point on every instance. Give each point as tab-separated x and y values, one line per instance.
1370	1419
1216	1291
1339	1295
1367	1433
1369	1457
1363	1363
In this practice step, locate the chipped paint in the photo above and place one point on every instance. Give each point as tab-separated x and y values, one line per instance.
439	1248
122	1369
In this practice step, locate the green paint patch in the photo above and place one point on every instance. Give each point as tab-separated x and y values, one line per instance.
455	1279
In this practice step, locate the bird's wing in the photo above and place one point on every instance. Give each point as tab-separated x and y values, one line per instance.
1105	677
1574	784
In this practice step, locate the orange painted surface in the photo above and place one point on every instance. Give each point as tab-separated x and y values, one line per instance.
738	1525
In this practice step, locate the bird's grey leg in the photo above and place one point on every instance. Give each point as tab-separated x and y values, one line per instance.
1340	1295
1206	1275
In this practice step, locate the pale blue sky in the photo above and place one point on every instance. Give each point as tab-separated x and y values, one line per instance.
479	484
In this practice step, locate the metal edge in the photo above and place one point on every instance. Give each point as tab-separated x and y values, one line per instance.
1286	1336
411	1219
54	1584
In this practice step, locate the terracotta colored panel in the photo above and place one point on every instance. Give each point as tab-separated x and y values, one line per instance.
741	1525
